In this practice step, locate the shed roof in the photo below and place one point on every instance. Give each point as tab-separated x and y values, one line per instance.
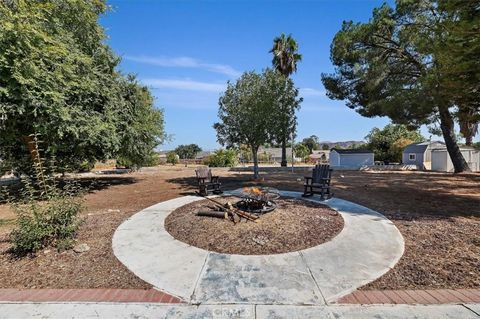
422	146
352	151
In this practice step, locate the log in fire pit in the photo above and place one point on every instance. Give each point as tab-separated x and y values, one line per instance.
258	200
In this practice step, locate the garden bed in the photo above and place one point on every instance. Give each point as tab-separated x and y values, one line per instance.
292	226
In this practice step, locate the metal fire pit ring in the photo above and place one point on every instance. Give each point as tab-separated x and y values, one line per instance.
259	202
244	206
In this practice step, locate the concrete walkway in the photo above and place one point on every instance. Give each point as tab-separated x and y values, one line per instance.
146	310
368	246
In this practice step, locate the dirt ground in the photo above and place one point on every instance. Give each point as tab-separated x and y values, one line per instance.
294	225
438	215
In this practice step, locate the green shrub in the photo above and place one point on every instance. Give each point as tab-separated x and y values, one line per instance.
172	158
47	214
222	158
41	224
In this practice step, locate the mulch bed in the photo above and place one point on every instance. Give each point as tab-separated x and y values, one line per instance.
292	226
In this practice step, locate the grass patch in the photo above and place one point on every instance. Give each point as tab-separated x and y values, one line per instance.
5	221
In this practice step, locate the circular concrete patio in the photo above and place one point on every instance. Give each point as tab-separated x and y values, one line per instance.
367	247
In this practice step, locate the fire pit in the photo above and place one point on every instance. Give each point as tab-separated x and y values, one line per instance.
258	200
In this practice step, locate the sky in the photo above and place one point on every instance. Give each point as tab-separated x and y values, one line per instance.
186	51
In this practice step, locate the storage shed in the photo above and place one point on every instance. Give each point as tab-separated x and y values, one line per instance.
441	159
351	158
420	154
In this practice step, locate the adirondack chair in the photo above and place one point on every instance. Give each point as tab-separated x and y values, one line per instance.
207	182
319	182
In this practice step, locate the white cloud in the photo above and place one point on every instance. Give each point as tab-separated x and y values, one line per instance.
185	84
311	92
185	62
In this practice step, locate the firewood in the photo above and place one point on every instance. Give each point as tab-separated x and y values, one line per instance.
213	214
233	210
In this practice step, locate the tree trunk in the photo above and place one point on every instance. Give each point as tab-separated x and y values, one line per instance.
447	126
255	162
468	140
284	152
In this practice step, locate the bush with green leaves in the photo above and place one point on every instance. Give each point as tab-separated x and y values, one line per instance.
51	223
47	212
172	158
222	158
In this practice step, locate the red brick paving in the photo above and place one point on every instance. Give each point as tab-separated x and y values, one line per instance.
439	296
98	295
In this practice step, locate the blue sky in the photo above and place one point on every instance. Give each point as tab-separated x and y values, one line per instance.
186	51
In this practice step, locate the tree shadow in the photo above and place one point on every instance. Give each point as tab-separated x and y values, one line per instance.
83	185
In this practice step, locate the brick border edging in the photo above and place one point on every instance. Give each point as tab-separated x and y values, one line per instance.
87	295
438	296
425	297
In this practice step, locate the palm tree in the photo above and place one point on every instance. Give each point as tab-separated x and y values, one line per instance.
285	58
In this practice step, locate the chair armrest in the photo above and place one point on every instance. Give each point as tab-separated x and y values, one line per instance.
215	178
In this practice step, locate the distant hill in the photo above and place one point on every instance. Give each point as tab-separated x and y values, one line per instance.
345	144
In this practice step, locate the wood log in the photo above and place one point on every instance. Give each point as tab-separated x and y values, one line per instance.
232	210
216	214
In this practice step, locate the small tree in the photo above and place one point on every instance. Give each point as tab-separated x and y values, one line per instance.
172	158
312	143
248	112
301	150
388	143
325	147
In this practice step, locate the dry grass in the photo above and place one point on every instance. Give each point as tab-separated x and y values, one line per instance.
438	215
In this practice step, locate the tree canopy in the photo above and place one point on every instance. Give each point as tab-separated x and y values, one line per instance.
187	151
312	143
301	150
248	111
400	64
58	79
388	143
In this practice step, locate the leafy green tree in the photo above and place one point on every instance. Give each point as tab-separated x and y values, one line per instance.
458	55
285	59
140	125
222	158
248	108
312	143
325	147
172	158
398	65
301	150
187	151
387	144
58	79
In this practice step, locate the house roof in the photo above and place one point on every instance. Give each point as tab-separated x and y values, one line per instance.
352	151
422	146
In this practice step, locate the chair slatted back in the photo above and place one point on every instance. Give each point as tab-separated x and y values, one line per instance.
320	172
204	172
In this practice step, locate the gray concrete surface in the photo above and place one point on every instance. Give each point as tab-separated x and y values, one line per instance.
367	247
164	311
